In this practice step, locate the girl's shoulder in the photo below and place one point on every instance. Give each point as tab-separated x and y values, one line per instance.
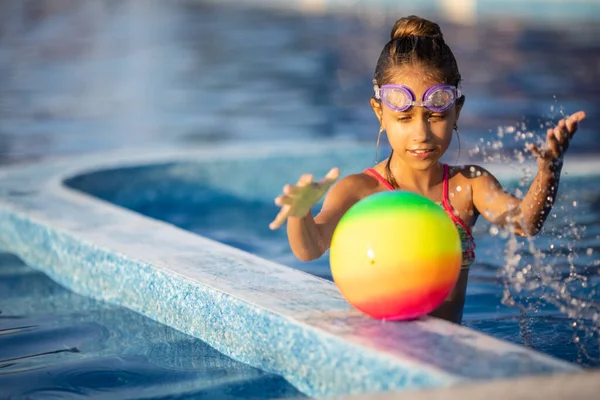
473	177
359	185
466	172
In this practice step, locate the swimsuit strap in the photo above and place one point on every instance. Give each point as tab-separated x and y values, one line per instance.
446	202
445	196
380	178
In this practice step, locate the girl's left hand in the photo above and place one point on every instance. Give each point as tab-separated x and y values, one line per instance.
557	139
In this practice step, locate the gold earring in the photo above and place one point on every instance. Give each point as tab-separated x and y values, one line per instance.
377	144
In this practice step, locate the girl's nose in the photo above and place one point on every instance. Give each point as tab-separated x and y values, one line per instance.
421	131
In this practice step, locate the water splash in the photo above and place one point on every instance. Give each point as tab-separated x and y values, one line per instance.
556	269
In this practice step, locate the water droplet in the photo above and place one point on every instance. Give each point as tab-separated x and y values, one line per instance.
575	203
494	230
589	251
458	188
520	276
574	302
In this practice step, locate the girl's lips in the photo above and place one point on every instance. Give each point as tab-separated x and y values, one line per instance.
421	154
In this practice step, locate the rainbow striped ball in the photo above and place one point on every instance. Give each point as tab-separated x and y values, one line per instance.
395	255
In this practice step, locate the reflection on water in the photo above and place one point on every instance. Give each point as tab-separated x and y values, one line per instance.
54	343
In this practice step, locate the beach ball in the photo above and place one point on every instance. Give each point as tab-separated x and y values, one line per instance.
395	255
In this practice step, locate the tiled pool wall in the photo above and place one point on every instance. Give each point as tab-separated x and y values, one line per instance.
261	313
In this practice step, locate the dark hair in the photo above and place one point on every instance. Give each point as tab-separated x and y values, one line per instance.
416	41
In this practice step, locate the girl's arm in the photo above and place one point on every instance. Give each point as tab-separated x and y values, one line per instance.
527	215
311	237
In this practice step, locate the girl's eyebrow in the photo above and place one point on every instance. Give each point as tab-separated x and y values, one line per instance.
409	111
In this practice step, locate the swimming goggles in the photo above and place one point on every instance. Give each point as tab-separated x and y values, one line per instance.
438	98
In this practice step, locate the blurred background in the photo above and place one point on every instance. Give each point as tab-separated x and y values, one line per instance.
86	76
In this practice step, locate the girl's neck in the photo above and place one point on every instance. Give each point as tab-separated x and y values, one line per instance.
418	181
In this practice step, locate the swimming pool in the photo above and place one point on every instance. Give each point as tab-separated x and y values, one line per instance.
82	77
57	344
540	308
263	314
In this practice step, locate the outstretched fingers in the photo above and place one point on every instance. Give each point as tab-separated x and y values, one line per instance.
535	150
290	190
572	122
305	180
281	217
329	179
576	117
283	200
303	194
558	138
331	176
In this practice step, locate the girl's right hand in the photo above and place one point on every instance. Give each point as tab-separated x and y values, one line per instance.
297	200
557	140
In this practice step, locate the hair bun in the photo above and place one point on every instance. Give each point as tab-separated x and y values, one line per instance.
415	26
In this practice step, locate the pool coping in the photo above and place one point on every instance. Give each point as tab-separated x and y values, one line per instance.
254	311
582	385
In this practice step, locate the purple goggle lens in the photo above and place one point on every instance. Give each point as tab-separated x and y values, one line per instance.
438	98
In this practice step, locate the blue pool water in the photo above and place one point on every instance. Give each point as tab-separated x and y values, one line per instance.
57	344
80	77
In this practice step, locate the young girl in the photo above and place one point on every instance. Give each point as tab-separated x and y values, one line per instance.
417	100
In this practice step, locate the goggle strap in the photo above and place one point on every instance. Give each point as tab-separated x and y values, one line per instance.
377	90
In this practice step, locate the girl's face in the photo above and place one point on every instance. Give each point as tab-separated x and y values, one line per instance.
418	136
